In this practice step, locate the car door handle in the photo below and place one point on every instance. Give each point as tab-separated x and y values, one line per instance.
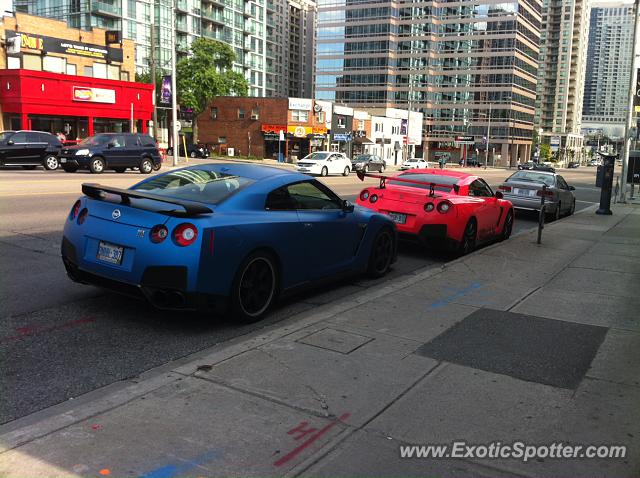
307	224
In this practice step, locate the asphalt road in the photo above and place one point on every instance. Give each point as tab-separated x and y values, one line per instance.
59	339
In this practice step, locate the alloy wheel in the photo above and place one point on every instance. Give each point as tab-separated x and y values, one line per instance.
257	287
381	254
469	238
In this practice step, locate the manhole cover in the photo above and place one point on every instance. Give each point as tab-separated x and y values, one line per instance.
535	349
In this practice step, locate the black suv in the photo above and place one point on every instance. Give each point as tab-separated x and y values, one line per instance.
117	151
29	149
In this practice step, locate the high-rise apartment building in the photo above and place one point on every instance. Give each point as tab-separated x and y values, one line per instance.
470	67
606	87
563	58
257	30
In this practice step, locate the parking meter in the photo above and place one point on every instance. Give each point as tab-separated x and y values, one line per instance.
604	180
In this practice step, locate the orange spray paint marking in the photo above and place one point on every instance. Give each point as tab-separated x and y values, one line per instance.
105	472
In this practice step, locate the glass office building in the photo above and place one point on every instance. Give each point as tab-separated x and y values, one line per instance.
460	65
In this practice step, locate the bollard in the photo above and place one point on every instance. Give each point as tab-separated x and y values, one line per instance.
543	195
605	182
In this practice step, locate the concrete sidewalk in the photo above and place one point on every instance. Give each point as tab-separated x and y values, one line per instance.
516	342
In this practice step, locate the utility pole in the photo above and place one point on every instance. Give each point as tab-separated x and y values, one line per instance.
152	60
630	113
174	93
409	106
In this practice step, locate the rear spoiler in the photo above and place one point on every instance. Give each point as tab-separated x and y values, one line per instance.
99	192
383	182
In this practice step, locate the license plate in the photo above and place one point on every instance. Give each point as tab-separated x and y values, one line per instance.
397	217
110	253
524	192
63	160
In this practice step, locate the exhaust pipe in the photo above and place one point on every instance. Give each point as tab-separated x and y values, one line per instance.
159	298
175	299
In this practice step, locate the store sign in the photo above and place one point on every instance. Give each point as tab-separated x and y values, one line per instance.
318	130
342	137
465	139
304	104
46	44
93	95
554	143
273	128
299	131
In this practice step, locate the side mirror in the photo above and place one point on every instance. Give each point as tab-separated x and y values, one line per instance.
571	188
347	206
499	195
110	145
10	142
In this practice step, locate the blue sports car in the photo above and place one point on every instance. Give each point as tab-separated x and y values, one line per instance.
227	237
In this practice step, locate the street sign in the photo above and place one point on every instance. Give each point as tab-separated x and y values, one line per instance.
465	140
554	143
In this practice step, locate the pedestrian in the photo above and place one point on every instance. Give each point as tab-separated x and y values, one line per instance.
61	136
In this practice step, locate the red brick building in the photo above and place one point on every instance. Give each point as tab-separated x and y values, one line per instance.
262	127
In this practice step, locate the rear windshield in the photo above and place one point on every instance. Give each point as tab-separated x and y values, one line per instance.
427	178
199	185
534	177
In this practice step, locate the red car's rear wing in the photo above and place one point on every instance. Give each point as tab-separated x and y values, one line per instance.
383	181
99	192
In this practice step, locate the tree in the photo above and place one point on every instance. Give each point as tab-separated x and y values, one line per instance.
545	152
205	74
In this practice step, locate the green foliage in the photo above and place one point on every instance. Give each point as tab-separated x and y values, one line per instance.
545	152
208	73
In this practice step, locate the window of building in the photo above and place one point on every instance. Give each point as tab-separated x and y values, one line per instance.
88	71
255	113
13	63
360	125
54	64
72	69
124	75
341	122
241	113
222	139
32	62
214	112
320	117
113	72
300	115
100	70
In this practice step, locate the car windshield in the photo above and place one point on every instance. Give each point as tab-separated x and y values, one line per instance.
199	185
96	140
363	157
534	177
318	156
412	160
5	135
428	179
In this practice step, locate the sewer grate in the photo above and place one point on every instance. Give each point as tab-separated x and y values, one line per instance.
535	349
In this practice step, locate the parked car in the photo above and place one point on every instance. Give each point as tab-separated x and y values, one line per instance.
324	163
524	190
472	162
273	230
193	151
573	165
29	149
594	162
414	163
116	151
441	207
368	162
528	165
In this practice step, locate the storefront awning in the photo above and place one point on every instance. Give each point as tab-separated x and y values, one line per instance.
363	140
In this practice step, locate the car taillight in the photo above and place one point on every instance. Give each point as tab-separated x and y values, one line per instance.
545	192
185	234
83	216
373	198
504	188
364	195
158	233
74	210
444	207
429	207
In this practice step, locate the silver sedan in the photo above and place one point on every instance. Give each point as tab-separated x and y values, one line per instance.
524	190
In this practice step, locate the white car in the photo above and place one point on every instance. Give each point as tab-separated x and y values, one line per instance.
414	163
324	163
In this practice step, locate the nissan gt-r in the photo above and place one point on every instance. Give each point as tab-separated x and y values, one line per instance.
441	207
224	237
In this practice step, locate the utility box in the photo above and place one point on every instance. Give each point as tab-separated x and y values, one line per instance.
633	169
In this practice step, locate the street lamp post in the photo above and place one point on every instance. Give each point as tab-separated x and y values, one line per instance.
174	93
486	151
409	107
632	91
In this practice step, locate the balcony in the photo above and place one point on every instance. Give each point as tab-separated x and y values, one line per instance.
182	5
182	26
271	6
106	8
213	16
182	46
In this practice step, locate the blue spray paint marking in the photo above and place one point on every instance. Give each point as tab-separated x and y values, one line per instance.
457	294
175	469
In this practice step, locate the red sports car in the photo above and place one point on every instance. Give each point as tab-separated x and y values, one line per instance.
441	207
